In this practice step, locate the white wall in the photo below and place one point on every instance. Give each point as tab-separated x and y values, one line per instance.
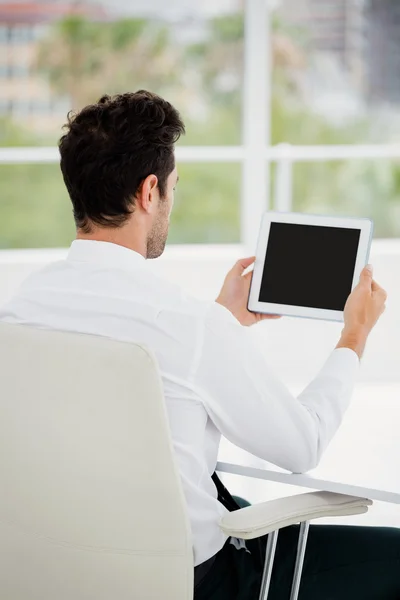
295	347
368	443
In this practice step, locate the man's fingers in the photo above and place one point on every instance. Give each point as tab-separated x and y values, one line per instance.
242	264
376	287
366	276
379	292
264	317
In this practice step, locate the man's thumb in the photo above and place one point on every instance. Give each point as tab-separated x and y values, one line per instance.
242	264
366	275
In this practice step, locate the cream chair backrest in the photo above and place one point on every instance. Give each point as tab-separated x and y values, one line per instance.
91	505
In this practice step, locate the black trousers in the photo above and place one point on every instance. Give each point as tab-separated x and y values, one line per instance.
342	562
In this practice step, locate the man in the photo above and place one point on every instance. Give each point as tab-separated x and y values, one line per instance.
117	159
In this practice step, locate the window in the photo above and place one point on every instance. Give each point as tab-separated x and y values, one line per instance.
59	106
41	106
21	107
5	106
4	34
322	94
196	61
207	201
20	34
41	217
18	71
39	31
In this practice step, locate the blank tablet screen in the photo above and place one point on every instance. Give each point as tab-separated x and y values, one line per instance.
309	265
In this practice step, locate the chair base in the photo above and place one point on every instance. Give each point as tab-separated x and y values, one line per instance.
269	561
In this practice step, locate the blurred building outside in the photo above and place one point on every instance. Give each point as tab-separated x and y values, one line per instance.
334	26
357	43
24	94
384	51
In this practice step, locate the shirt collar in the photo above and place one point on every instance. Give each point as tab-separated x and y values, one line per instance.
104	253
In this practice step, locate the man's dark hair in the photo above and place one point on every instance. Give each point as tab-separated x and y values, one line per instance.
109	149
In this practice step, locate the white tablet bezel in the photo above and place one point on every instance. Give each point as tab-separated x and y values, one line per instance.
364	225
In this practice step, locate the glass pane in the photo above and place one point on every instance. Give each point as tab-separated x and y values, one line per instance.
336	71
355	188
35	210
207	204
190	53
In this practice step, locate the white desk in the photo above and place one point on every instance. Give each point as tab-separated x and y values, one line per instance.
306	481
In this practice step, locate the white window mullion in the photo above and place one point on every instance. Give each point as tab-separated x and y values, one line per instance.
255	118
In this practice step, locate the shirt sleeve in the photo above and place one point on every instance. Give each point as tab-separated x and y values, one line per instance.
255	411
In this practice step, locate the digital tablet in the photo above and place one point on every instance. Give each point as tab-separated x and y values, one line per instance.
307	265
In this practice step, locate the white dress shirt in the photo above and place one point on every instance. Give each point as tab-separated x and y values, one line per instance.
215	379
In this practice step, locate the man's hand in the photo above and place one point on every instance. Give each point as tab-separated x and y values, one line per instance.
235	293
363	308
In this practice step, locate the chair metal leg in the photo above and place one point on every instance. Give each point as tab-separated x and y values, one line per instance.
269	563
301	550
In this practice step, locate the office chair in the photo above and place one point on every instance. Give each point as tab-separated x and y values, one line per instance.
91	503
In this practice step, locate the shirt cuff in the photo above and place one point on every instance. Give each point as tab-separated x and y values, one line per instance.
343	363
224	312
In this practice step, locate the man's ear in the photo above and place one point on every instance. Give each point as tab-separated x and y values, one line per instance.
147	194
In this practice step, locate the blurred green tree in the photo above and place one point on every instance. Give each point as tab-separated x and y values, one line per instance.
83	59
35	210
